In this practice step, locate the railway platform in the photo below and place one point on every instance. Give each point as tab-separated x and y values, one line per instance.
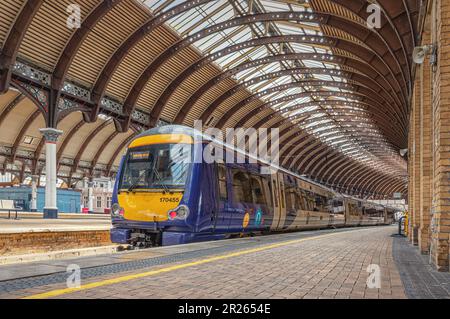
320	264
31	238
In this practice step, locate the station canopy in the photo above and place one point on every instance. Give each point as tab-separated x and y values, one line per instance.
337	86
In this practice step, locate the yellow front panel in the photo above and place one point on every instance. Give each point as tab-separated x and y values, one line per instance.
162	139
148	206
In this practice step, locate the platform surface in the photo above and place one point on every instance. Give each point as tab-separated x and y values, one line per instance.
313	264
74	222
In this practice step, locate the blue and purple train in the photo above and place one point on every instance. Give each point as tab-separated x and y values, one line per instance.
166	193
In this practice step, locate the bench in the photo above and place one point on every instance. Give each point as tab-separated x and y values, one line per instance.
8	205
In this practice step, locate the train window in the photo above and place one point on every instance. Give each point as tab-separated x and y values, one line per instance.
258	194
282	197
320	203
309	201
241	188
222	173
288	195
275	192
267	191
290	198
298	200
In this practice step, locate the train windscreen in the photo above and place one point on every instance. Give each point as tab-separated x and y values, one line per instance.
156	166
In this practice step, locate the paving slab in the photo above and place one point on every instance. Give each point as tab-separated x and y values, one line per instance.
419	276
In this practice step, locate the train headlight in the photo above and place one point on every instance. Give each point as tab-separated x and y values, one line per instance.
181	212
116	210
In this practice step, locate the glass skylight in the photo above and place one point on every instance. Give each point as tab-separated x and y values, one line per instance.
340	120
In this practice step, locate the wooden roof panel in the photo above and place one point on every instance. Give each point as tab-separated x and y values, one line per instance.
33	132
137	59
110	32
48	33
9	9
105	38
211	95
95	144
14	121
110	149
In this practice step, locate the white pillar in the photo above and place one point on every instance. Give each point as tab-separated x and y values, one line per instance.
91	197
51	137
34	182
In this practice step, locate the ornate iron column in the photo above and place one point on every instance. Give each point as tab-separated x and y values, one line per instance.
51	137
34	185
90	197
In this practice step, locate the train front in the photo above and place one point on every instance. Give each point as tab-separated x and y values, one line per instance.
152	192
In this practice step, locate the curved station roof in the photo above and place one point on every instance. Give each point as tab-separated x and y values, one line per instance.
338	89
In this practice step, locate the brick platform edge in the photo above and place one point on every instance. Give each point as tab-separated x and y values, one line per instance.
38	242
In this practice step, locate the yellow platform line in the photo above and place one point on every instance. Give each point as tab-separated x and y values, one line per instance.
59	292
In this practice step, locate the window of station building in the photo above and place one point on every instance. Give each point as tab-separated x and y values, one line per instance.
85	201
108	202
222	175
99	201
241	188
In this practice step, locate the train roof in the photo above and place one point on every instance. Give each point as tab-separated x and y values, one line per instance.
182	129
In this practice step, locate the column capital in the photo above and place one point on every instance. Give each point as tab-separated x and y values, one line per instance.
50	134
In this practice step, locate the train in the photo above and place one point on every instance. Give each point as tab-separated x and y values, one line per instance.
166	193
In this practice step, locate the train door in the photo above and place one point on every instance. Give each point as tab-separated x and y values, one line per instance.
207	198
346	212
223	210
279	201
276	200
282	189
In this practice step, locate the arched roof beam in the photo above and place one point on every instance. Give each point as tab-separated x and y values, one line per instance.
373	38
157	109
85	144
339	60
376	114
287	98
354	87
330	157
11	105
101	149
37	155
360	9
73	45
361	78
117	151
67	139
22	132
114	61
260	108
14	39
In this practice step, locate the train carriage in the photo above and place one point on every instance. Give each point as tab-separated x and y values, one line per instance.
167	192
